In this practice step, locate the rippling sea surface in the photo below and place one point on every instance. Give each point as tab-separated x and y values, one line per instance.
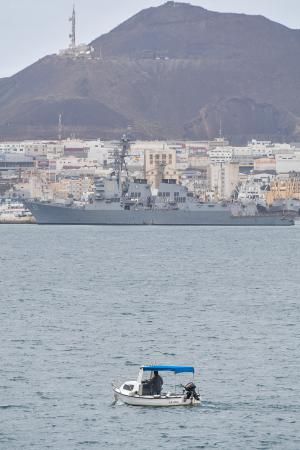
83	306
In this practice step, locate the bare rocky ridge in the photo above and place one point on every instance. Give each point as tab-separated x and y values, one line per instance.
169	72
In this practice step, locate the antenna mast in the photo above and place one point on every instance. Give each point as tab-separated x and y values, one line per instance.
60	127
72	36
221	129
125	145
120	163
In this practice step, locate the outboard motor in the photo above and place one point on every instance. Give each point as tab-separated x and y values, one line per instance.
190	391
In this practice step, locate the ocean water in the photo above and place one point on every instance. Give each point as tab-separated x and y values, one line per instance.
83	306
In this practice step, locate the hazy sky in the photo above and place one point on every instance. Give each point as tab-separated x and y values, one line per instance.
31	29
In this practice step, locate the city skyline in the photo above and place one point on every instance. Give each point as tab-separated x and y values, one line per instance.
32	30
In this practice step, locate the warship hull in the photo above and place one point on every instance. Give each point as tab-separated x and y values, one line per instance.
54	214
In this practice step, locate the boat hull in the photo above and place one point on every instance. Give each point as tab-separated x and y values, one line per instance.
53	214
147	400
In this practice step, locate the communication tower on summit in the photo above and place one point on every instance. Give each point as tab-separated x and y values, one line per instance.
76	51
72	36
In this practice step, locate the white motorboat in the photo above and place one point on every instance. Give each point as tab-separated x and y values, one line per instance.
140	393
13	211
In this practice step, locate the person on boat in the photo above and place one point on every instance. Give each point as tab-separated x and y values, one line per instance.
156	383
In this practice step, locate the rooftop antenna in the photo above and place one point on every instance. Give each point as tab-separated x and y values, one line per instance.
72	36
60	127
220	130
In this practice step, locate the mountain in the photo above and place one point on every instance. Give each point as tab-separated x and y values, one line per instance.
174	71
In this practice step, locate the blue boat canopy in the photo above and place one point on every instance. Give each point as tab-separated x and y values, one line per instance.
175	369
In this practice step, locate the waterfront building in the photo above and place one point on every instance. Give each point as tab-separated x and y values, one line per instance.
286	163
75	147
198	161
72	166
268	148
196	181
25	148
199	165
15	162
219	142
159	164
220	155
223	179
78	188
284	187
55	150
265	164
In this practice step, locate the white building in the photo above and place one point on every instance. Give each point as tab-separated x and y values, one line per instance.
286	163
220	155
268	148
26	148
265	164
223	179
247	154
100	151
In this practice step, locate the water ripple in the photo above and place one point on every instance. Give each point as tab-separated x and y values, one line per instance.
81	307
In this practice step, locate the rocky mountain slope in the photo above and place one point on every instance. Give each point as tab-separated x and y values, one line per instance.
174	71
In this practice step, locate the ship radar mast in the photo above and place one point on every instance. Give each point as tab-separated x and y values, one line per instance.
125	146
120	165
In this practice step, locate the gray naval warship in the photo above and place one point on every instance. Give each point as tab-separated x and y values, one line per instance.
117	200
